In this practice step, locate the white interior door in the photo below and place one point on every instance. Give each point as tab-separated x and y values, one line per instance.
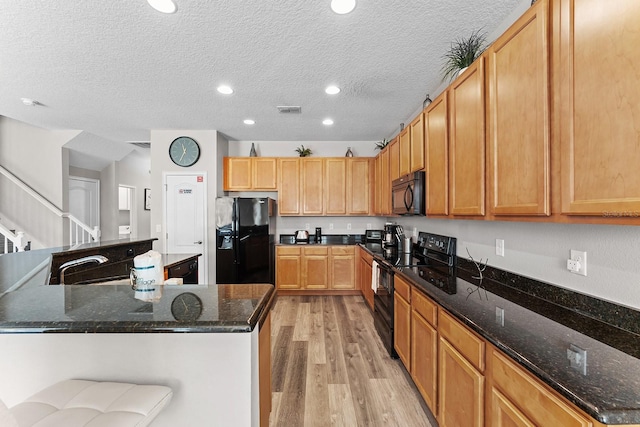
84	200
186	217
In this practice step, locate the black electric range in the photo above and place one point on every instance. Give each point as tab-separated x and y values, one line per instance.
432	258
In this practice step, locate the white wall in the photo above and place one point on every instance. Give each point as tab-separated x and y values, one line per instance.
209	140
134	170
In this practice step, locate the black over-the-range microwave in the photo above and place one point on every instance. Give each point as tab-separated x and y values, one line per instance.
407	194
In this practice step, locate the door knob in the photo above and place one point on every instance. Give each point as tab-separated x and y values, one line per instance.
199	242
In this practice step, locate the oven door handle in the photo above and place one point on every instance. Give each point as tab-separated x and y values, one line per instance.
408	192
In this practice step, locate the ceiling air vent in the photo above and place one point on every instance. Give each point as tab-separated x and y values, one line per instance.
289	109
141	144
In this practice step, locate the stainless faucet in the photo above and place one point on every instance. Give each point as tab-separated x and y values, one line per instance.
92	258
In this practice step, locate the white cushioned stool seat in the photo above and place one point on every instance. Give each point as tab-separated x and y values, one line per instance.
76	403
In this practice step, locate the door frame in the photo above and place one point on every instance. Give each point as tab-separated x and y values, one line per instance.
203	261
133	212
94	181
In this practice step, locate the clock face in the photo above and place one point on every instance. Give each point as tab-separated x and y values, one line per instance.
184	151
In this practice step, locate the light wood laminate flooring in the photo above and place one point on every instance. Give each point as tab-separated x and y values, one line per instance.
329	368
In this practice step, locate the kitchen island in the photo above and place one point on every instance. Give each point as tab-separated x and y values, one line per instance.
209	343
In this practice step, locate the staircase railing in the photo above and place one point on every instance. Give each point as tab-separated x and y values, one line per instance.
17	239
78	231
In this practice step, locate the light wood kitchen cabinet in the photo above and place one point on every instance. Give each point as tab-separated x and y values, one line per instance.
250	173
358	186
366	270
342	266
288	267
394	159
312	186
517	398
383	183
437	156
402	320
518	117
416	137
315	267
289	186
405	152
597	49
467	142
335	186
424	348
461	379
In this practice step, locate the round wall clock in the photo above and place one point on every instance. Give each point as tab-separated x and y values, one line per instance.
184	151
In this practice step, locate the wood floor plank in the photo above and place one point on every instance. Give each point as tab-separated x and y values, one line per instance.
317	396
317	349
337	372
303	321
292	405
358	382
342	316
341	411
279	357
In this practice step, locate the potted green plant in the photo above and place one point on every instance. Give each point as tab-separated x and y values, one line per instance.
462	53
381	144
303	152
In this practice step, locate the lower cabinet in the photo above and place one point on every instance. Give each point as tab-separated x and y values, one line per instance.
424	348
402	321
316	267
518	399
366	272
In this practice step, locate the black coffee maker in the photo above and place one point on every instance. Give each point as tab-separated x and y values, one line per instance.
393	234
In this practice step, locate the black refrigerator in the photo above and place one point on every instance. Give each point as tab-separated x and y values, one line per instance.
245	233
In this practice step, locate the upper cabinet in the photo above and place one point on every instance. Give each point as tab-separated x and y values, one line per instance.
518	117
250	174
596	65
289	186
312	185
335	186
405	153
416	138
467	142
394	159
437	156
359	194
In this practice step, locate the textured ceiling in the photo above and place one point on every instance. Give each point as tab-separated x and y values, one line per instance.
117	69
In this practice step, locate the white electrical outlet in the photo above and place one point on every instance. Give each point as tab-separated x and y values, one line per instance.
415	231
331	226
577	358
500	247
306	226
578	262
368	226
348	226
499	316
158	228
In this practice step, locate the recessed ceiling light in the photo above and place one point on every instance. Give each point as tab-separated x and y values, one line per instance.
327	122
164	6
225	90
342	7
249	122
332	90
30	102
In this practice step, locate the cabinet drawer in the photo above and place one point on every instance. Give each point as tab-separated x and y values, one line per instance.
425	307
402	288
316	251
288	250
532	398
343	250
465	341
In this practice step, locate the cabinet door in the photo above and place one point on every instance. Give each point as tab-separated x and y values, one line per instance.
467	141
358	189
264	173
288	268
385	188
394	159
597	48
518	117
416	133
237	173
343	267
402	321
424	358
315	268
437	156
505	413
335	186
312	186
289	186
460	389
365	281
405	152
377	193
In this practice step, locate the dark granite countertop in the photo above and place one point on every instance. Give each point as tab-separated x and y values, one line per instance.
537	333
114	309
326	239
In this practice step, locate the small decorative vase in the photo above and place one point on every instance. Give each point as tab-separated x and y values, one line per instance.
349	152
253	153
